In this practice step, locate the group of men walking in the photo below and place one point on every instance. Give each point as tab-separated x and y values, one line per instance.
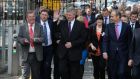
110	42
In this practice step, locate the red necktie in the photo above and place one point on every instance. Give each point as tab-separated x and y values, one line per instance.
117	31
31	36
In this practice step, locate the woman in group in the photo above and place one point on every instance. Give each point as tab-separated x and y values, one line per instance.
96	33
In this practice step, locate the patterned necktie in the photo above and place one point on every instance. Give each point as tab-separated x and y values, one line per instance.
45	34
31	33
117	31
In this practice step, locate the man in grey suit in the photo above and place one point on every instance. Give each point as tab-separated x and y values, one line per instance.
31	37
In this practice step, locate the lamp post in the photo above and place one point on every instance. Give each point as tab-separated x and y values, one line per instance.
10	41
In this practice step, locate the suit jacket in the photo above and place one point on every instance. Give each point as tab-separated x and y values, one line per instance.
51	26
134	53
111	44
137	25
24	34
93	37
92	19
77	38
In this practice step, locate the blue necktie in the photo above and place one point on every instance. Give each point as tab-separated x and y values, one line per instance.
45	34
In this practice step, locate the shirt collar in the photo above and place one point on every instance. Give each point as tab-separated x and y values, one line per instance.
42	22
119	23
132	23
106	17
73	21
32	24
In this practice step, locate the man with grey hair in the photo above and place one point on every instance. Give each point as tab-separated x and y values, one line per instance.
73	36
31	38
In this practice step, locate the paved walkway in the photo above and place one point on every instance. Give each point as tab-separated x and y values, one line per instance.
87	75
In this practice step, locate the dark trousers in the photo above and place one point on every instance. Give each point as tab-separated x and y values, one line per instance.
128	73
117	66
81	71
33	65
46	64
136	72
56	72
99	67
69	69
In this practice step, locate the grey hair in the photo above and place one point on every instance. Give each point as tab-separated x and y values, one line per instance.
72	10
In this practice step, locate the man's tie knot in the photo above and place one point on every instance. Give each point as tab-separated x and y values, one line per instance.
106	17
31	25
132	25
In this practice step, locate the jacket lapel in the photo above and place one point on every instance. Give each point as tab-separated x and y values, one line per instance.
66	31
27	31
73	28
113	30
94	32
35	30
122	30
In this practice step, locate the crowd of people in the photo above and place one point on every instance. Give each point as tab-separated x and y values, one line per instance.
109	37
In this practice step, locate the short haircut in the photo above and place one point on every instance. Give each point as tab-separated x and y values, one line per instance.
29	12
123	15
99	17
71	9
134	13
44	10
105	9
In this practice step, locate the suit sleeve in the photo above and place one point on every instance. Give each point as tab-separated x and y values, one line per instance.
131	45
82	38
106	39
21	38
42	34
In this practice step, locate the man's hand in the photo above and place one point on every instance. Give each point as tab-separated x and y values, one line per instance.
105	56
130	62
57	41
68	45
26	41
92	46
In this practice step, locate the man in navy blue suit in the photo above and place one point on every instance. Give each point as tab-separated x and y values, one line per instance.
116	43
47	25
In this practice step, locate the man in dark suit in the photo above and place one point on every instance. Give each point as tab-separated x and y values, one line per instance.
116	46
31	37
106	16
133	52
134	55
134	24
90	17
133	20
72	41
47	25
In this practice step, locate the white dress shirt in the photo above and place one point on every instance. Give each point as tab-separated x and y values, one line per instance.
107	20
72	23
31	49
48	33
133	27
